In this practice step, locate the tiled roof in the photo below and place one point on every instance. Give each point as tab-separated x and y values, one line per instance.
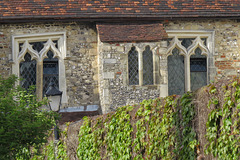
131	32
95	9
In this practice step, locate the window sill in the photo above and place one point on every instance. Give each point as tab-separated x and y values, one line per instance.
144	87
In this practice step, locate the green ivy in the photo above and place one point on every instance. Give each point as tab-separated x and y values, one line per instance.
161	130
152	133
140	142
118	137
187	142
223	123
89	140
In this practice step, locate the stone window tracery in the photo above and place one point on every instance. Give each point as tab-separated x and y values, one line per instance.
189	57
39	59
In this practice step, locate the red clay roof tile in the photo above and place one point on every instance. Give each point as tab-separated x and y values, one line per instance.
160	9
131	32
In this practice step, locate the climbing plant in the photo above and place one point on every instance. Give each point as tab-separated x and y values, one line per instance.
161	130
186	141
152	130
118	137
89	140
224	122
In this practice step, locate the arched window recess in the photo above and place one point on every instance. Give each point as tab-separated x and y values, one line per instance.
27	48
49	45
197	49
176	43
39	58
198	43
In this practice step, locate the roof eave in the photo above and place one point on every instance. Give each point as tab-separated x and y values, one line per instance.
112	18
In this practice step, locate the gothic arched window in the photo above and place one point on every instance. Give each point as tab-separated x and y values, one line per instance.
133	71
27	70
50	71
147	66
198	70
176	73
35	62
187	63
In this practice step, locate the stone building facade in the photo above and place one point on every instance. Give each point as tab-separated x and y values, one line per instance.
79	61
222	54
95	60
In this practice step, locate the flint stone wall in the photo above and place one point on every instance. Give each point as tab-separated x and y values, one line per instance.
97	72
226	43
113	78
81	61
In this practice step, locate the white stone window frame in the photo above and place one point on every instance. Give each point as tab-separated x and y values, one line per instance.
60	53
140	47
207	50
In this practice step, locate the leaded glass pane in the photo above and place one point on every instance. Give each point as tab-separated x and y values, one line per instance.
186	42
38	46
50	71
147	66
133	67
27	72
198	70
176	74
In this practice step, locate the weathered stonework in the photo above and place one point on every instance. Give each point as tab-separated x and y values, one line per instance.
115	91
81	62
226	45
5	53
113	78
97	72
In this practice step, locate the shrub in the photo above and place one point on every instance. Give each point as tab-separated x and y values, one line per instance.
22	122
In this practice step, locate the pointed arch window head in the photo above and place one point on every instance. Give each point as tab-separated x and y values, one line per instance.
186	42
38	46
38	59
50	64
196	48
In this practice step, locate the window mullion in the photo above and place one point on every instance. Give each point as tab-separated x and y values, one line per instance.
187	73
155	71
39	84
140	60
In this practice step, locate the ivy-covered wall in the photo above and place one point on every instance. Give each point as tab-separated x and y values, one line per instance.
204	124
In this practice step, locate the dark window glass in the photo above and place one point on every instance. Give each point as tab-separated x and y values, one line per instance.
169	41
176	73
56	43
147	66
133	67
198	69
27	71
204	41
186	42
38	46
20	46
50	71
